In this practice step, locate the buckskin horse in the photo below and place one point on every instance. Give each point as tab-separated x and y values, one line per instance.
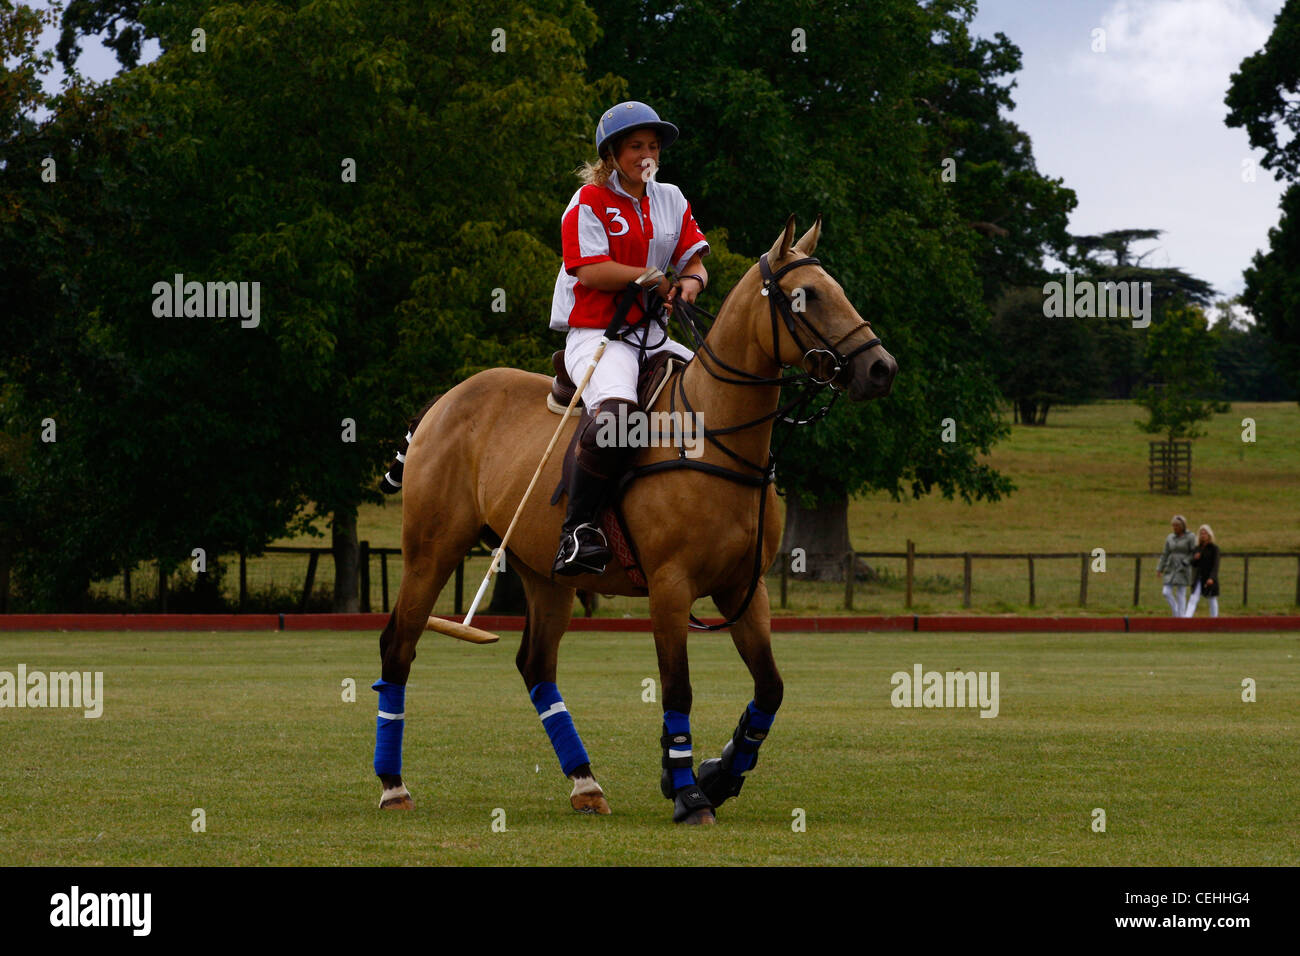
705	526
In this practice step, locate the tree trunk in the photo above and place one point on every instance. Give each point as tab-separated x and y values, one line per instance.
1042	413
347	550
823	535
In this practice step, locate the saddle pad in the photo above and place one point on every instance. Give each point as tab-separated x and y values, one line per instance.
612	524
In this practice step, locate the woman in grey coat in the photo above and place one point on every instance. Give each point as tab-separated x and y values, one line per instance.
1176	565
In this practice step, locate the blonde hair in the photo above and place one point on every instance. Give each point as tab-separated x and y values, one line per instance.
1207	529
1180	519
597	173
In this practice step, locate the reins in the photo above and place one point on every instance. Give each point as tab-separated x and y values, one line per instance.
808	385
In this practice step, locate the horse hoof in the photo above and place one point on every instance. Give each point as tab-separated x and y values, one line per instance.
700	817
396	798
594	803
587	797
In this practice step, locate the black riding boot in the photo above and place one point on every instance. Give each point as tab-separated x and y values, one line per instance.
583	548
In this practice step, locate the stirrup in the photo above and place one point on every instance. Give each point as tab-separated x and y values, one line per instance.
593	562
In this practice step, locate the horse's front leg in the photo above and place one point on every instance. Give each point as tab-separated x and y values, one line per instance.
721	778
669	611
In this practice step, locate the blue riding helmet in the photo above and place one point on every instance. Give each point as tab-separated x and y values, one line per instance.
628	116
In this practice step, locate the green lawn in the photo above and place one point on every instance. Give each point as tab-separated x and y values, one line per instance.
252	728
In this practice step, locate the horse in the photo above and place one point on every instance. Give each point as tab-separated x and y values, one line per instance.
471	455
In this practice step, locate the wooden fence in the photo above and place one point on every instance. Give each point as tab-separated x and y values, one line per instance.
1085	559
375	561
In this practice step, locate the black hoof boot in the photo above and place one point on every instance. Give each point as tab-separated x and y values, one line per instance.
717	780
582	551
719	783
691	806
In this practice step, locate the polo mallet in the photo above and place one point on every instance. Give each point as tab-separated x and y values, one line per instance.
476	635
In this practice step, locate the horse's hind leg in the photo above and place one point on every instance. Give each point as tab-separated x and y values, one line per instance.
550	606
722	778
426	568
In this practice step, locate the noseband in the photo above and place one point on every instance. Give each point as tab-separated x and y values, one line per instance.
779	303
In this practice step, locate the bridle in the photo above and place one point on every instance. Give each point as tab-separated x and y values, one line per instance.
778	301
806	383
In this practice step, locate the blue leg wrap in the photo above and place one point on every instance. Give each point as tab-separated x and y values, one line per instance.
678	723
559	727
750	735
388	734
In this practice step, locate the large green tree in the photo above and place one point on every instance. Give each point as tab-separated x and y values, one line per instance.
375	293
849	111
1262	98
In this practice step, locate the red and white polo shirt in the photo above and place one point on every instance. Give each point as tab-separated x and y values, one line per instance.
603	223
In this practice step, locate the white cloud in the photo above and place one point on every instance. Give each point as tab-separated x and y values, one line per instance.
1176	55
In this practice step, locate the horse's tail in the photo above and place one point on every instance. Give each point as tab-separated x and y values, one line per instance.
391	483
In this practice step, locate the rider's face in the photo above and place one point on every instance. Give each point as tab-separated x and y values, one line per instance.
637	147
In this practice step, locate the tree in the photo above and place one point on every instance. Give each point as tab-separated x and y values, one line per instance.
1245	360
1043	361
1180	359
817	109
375	292
1262	98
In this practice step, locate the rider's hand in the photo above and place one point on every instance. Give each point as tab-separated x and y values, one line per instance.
689	287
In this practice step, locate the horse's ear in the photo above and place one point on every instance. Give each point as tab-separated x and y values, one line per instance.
809	241
781	247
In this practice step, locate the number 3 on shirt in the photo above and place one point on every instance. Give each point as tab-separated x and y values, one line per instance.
616	217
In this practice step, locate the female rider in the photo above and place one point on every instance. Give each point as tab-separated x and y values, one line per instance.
620	223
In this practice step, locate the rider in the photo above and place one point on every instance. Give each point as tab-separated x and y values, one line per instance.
619	224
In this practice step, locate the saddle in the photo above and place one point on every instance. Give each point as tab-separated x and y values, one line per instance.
654	376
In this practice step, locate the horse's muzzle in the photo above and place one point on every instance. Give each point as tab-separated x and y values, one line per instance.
871	375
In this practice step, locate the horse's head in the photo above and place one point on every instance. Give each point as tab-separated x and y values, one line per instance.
817	328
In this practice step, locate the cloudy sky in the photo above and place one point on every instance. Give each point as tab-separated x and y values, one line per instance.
1136	131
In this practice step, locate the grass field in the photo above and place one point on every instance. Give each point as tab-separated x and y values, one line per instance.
252	728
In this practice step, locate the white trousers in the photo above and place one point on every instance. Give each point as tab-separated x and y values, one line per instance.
1196	597
1177	598
615	376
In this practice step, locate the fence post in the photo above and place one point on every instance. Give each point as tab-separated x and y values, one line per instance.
1245	581
911	563
849	562
1137	579
460	586
363	575
785	568
243	579
383	577
1031	579
965	579
1083	580
310	582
